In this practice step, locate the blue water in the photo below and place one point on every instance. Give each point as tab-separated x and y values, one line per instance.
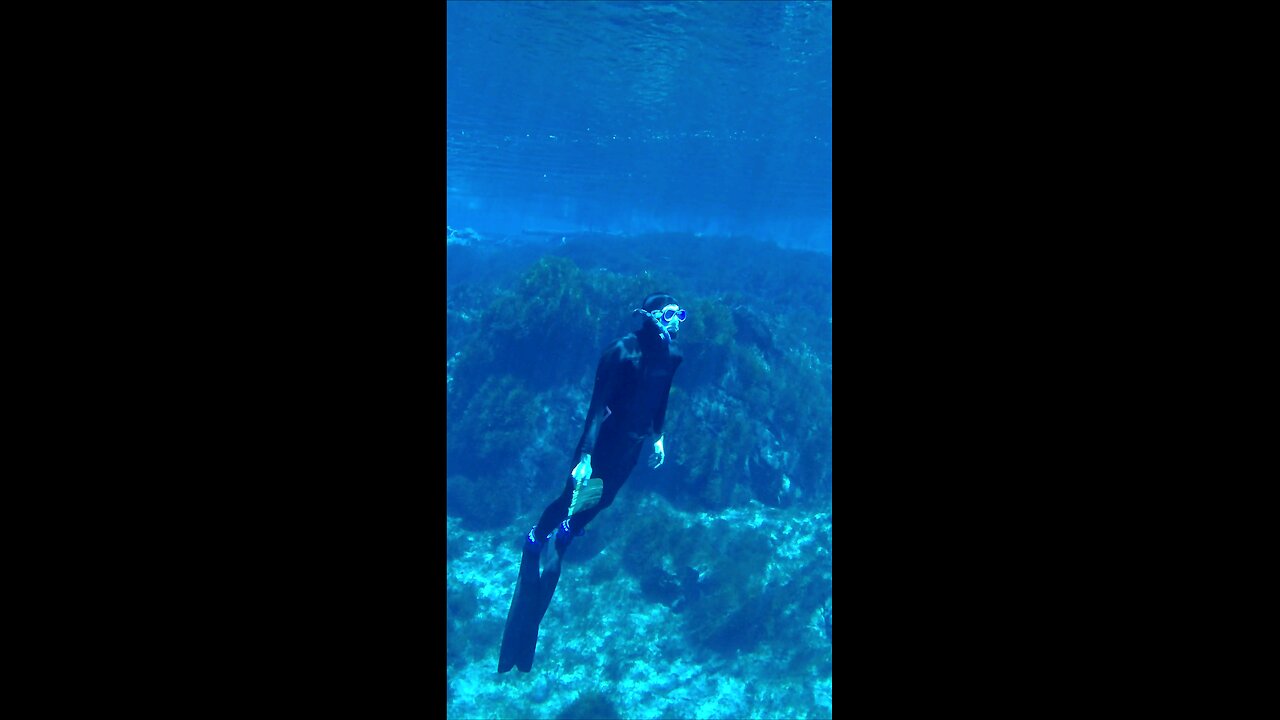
598	152
631	117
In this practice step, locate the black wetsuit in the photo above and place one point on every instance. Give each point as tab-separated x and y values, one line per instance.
628	406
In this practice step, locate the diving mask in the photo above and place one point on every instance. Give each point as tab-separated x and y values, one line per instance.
669	319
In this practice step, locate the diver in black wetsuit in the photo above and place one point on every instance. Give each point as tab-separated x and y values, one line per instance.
628	407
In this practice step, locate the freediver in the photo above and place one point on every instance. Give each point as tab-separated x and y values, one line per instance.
628	407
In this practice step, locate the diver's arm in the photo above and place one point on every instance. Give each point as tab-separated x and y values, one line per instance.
582	471
660	417
659	454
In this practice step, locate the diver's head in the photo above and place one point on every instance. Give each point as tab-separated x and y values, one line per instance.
662	314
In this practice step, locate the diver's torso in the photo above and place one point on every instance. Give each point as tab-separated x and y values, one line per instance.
643	381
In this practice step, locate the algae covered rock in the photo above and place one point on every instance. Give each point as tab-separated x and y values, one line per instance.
478	504
590	706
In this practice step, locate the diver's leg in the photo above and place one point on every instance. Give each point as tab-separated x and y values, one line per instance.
546	589
533	591
558	510
521	654
614	471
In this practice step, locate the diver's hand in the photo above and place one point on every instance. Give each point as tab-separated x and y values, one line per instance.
582	471
659	455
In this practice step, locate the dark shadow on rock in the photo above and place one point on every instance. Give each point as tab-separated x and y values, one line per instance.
590	706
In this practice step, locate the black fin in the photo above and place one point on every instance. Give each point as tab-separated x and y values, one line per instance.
523	613
546	588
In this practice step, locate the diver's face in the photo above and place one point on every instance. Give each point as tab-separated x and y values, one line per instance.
669	319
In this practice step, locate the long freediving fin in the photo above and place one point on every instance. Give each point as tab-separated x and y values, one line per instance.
524	612
530	603
529	638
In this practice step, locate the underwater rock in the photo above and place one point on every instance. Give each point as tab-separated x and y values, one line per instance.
461	603
460	606
743	628
660	586
541	690
590	706
478	504
737	579
690	590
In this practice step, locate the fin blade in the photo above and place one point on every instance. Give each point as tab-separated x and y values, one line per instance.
586	495
523	612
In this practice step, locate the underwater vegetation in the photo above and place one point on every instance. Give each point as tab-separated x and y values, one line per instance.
549	326
717	576
722	554
749	410
679	615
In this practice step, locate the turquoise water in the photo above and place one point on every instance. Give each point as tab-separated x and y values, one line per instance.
685	149
631	117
